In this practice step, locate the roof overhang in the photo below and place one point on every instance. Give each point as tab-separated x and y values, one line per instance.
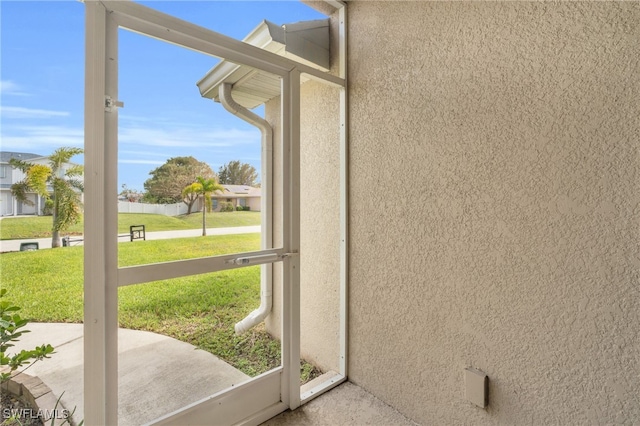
304	42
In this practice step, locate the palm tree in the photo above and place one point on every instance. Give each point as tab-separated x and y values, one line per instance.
65	182
205	187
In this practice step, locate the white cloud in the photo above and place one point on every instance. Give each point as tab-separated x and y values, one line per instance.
20	112
141	162
143	153
184	137
40	139
8	87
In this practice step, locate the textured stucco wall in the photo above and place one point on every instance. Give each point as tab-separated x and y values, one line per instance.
319	216
319	225
495	209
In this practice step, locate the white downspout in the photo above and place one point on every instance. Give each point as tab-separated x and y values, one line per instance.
266	204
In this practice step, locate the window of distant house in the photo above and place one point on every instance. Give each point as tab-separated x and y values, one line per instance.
242	202
214	204
3	172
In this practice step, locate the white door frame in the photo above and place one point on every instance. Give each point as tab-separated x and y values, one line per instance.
102	275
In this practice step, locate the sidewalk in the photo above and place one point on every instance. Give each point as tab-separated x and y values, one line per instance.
43	243
156	374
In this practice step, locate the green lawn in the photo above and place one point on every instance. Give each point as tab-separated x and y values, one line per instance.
144	252
222	220
201	310
40	226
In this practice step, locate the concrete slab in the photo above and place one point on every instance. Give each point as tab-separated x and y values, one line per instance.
347	404
156	374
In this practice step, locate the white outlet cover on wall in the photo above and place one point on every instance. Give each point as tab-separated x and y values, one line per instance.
476	387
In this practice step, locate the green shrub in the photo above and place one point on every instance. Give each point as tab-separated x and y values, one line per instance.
239	208
226	206
10	323
47	210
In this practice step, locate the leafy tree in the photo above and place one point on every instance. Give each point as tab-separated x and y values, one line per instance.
205	187
190	195
236	173
66	183
167	181
131	195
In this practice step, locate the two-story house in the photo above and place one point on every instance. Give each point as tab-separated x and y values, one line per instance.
9	205
9	175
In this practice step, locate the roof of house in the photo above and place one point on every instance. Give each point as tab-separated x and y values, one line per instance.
239	191
5	156
305	42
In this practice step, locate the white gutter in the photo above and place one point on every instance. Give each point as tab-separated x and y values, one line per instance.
266	276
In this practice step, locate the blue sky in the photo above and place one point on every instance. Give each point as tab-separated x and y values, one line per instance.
42	84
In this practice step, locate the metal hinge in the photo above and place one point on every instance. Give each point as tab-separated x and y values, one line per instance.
110	104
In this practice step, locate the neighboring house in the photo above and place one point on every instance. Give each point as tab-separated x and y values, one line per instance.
237	195
9	205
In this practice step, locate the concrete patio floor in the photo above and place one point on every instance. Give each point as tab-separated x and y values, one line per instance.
347	404
159	374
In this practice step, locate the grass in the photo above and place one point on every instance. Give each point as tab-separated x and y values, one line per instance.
222	220
144	252
199	309
30	227
40	226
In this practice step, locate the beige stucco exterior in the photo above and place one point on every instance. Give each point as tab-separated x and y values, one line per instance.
513	130
319	219
508	135
252	202
319	225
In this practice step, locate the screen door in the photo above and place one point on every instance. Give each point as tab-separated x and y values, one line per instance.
109	272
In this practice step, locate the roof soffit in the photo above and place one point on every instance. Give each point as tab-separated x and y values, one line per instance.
305	42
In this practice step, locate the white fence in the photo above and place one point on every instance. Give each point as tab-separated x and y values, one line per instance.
165	209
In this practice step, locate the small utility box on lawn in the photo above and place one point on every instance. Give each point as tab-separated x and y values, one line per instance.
137	232
31	246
